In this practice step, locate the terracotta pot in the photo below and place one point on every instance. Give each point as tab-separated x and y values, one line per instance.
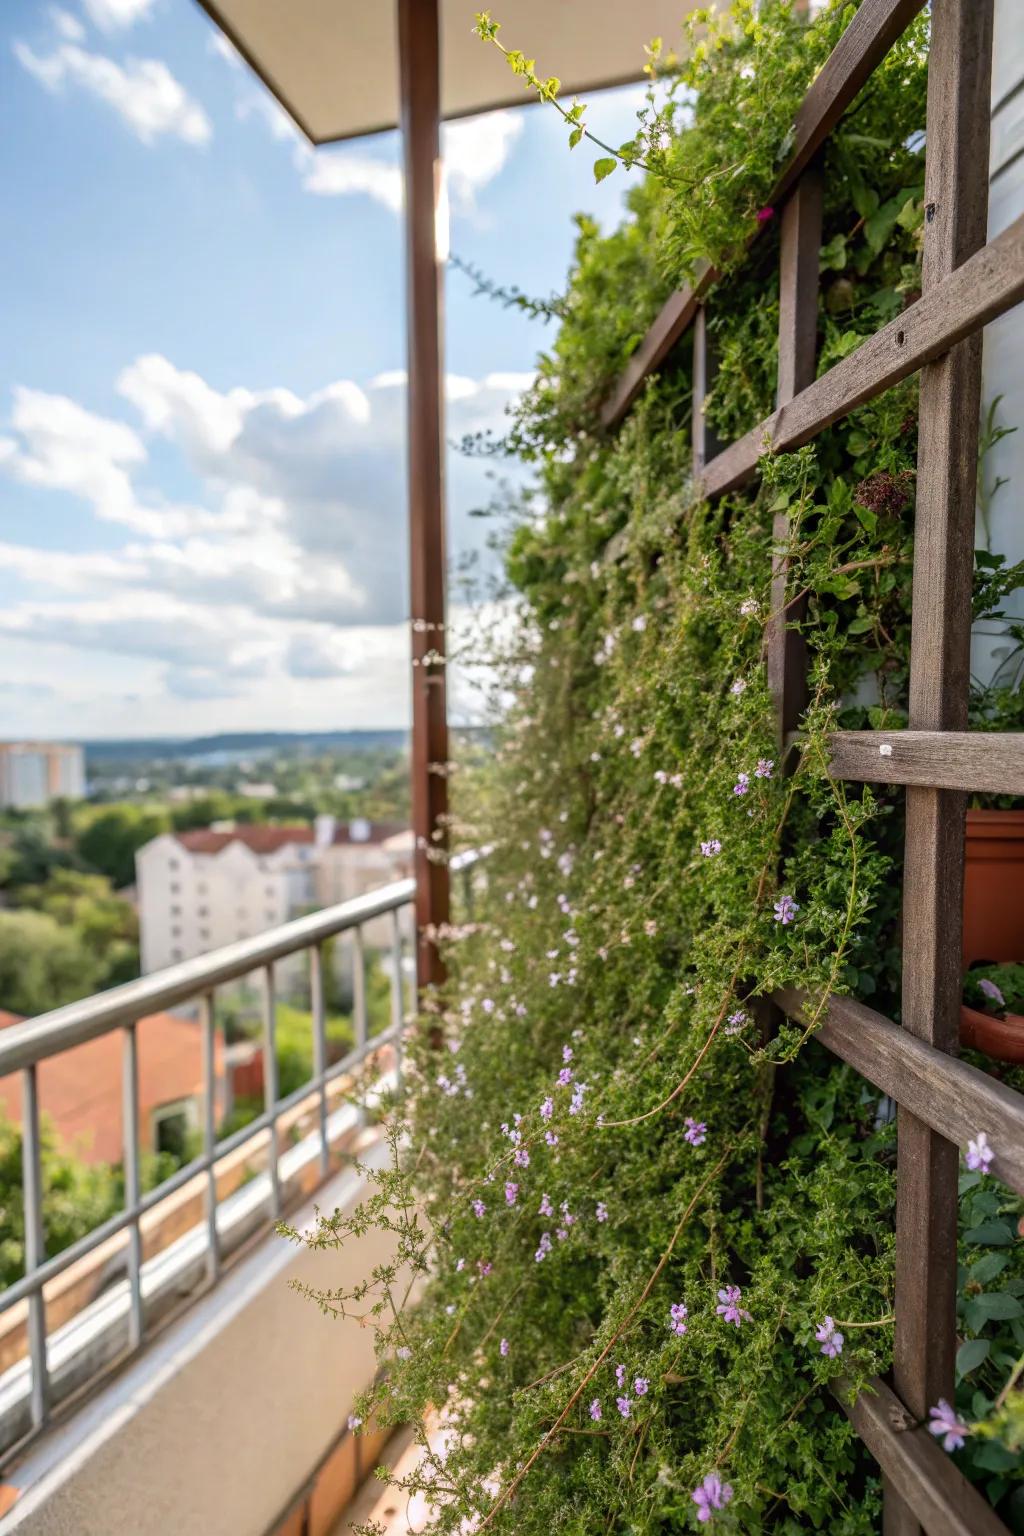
994	887
1002	1039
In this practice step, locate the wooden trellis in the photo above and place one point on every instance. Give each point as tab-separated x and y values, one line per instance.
965	283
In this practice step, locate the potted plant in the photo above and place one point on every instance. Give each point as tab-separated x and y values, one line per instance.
992	1012
994	849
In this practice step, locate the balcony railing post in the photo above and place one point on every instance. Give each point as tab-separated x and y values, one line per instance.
316	1002
32	1185
132	1181
270	1085
397	999
209	1026
360	1013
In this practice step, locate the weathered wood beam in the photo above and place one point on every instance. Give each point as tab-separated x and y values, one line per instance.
989	762
420	90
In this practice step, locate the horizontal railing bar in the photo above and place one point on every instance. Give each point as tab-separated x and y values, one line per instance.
872	32
924	1476
28	1285
953	1098
990	762
23	1044
984	287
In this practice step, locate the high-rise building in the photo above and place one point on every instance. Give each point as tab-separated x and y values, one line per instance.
32	773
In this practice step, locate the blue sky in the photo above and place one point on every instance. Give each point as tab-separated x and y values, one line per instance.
201	400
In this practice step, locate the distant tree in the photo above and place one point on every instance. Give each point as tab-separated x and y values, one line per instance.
28	854
76	1198
88	905
108	840
43	965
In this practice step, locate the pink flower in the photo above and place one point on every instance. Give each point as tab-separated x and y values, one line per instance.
711	1495
947	1423
711	848
696	1131
677	1317
979	1154
624	1406
504	1346
992	991
764	214
829	1337
730	1310
595	1408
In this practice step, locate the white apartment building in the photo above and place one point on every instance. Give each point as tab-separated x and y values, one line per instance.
211	886
32	773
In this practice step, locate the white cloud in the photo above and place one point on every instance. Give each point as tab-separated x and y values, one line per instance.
286	580
66	25
344	173
476	150
113	14
143	92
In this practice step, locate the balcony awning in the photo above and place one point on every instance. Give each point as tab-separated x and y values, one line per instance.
331	63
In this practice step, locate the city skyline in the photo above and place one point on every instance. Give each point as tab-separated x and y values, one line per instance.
202	498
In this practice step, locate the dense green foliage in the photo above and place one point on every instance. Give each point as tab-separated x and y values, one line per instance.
620	1128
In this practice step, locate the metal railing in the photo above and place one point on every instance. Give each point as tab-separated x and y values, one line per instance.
27	1391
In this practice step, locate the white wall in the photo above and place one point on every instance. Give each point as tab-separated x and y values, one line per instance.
220	1422
1004	339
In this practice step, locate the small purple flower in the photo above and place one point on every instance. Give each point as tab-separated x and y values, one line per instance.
736	1022
484	1267
546	1208
712	1494
511	1193
785	910
545	1247
595	1409
677	1317
742	784
354	1422
641	1386
567	1054
403	1352
565	1077
561	1233
946	1422
624	1406
521	1158
551	1138
711	848
748	607
602	1211
696	1131
764	214
504	1346
992	991
577	1098
829	1337
979	1154
730	1310
620	1376
547	1109
460	1265
764	768
479	1208
738	687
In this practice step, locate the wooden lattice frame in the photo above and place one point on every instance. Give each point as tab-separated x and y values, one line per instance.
941	1101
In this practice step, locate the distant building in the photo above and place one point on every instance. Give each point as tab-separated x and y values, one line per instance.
32	773
201	889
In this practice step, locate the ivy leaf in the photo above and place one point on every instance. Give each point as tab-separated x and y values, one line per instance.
992	1306
970	1355
996	1234
603	168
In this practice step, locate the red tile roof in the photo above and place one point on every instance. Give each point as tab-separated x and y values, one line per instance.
80	1090
268	839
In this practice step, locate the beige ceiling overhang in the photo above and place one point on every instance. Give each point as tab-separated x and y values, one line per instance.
332	64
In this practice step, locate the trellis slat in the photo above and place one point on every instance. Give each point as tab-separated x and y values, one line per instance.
951	1097
916	1467
798	335
987	285
989	762
956	210
876	26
